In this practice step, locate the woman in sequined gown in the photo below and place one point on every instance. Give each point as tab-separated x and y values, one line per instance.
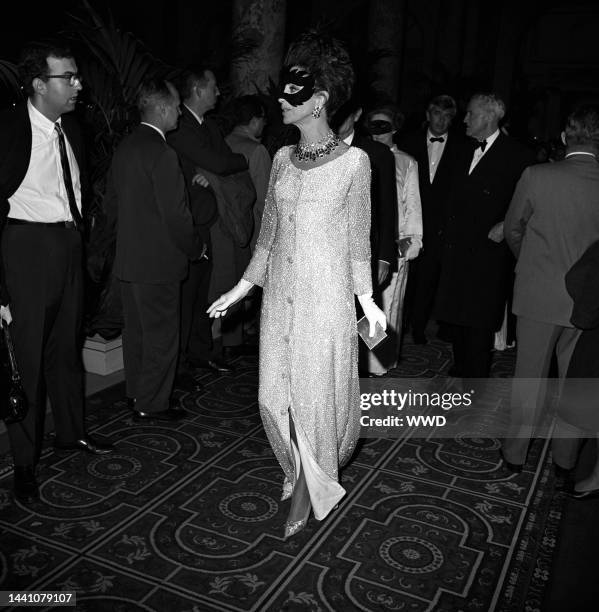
383	123
312	257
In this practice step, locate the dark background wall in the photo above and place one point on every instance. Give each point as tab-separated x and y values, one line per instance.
541	56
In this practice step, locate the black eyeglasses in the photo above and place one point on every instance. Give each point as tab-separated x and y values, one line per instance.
73	78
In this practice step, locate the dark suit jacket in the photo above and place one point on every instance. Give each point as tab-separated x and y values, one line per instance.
146	194
15	145
475	271
203	146
582	283
383	199
552	219
434	196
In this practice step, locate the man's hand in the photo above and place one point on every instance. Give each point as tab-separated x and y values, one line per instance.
496	233
200	179
5	314
383	271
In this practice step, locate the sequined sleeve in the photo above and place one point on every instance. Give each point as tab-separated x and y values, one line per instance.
358	200
256	271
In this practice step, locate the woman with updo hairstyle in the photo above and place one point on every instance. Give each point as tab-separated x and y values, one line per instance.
383	123
312	256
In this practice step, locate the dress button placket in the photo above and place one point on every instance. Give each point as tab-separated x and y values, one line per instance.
287	336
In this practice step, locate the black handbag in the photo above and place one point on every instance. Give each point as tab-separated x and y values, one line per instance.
13	401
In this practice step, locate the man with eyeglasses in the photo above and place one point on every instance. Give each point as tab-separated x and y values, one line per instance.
41	286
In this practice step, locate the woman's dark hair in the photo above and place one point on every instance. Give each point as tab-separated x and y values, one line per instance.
33	61
327	60
396	116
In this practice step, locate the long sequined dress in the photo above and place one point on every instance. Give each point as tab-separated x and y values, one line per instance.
312	256
409	225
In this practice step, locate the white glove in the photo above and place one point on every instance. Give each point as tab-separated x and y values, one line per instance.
5	314
220	306
372	313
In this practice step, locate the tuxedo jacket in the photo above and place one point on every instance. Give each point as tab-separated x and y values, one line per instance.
383	199
476	271
553	218
15	145
146	198
203	146
434	196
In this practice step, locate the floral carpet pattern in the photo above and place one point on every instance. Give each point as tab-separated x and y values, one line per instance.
186	517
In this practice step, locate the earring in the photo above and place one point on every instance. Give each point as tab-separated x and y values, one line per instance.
316	112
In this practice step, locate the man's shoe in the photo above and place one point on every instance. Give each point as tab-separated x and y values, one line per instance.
211	364
592	494
87	444
170	414
25	485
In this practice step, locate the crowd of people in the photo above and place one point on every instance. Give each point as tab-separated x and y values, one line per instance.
354	219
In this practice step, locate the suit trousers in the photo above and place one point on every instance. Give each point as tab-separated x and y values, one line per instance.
196	326
472	351
536	342
425	271
43	267
150	342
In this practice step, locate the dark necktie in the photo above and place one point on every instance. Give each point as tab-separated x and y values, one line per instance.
482	144
68	181
439	139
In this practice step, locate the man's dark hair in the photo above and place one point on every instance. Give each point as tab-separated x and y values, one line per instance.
245	108
190	77
582	126
445	103
33	61
328	61
153	92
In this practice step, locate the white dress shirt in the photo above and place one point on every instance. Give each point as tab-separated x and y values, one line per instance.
479	153
154	128
42	196
581	153
435	152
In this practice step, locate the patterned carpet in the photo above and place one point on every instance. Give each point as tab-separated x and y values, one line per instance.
187	517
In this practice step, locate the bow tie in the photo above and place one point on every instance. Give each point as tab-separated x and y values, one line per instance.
482	144
439	139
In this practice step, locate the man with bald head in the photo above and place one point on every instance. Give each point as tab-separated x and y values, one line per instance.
476	262
154	242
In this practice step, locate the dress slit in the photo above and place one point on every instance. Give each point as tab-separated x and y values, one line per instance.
325	492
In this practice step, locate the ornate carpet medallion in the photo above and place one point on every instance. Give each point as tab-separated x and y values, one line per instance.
186	516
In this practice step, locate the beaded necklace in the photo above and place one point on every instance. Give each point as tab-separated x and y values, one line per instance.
313	150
